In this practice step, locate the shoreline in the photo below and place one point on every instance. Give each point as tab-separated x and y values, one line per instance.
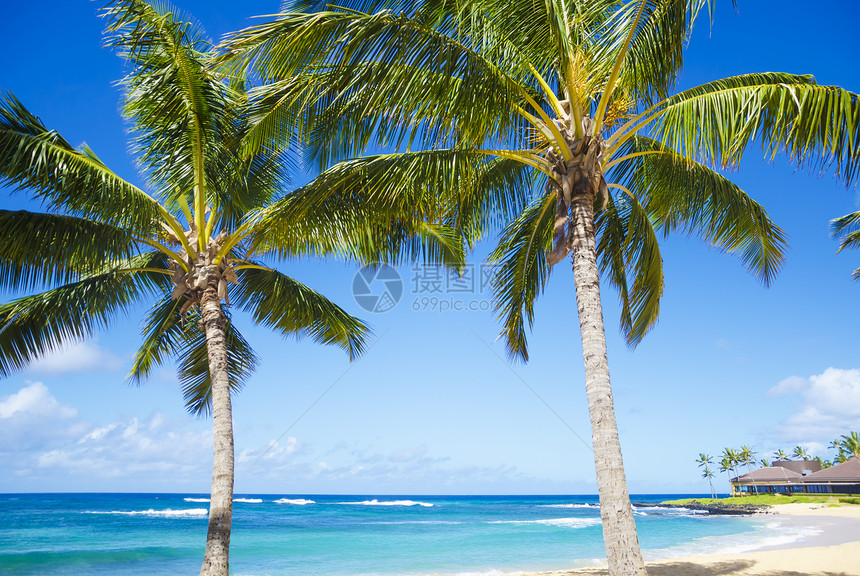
832	548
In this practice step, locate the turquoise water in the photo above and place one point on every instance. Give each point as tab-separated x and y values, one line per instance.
277	535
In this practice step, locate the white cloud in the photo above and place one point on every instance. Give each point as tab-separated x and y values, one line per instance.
78	357
830	405
50	446
275	452
34	400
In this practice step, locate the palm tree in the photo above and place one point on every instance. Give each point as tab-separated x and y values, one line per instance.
705	460
780	455
823	463
764	462
733	458
850	444
556	122
800	453
193	245
747	456
727	466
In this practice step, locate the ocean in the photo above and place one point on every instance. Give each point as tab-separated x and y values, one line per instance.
312	535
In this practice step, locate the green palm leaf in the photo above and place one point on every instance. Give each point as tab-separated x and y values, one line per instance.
42	162
43	249
815	125
628	244
283	304
169	333
193	366
366	208
522	271
848	227
685	195
655	52
35	325
178	110
418	74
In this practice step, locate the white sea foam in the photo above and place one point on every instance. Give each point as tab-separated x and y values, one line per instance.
168	513
415	522
297	501
664	511
248	500
376	502
597	506
196	499
766	535
563	522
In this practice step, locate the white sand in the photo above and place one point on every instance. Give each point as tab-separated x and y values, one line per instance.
835	551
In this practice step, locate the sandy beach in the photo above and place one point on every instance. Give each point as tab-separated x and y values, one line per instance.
832	549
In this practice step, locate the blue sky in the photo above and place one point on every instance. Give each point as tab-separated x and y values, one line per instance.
433	407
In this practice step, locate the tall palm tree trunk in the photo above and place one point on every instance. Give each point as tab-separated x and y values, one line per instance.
216	557
619	528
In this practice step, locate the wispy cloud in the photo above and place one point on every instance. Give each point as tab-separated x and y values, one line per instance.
830	406
34	400
78	357
47	442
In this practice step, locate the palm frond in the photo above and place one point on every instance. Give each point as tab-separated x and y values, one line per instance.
193	366
38	249
162	335
815	125
679	193
403	73
365	208
35	325
848	227
40	161
628	244
655	52
178	108
283	304
522	271
170	334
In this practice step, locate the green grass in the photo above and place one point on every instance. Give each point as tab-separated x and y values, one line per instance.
850	500
756	500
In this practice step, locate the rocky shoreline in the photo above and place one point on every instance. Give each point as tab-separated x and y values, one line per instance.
715	508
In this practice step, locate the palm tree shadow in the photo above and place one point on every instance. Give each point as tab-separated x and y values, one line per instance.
729	568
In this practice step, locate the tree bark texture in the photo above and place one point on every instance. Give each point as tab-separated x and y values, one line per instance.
619	528
216	557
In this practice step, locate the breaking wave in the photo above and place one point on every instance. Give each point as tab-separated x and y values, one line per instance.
376	502
296	501
168	513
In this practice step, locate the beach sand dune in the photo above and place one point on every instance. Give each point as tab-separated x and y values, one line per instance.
834	552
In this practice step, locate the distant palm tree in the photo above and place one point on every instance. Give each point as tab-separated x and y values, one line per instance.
747	456
850	444
727	466
732	458
823	463
780	455
706	473
705	460
800	453
764	462
197	244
